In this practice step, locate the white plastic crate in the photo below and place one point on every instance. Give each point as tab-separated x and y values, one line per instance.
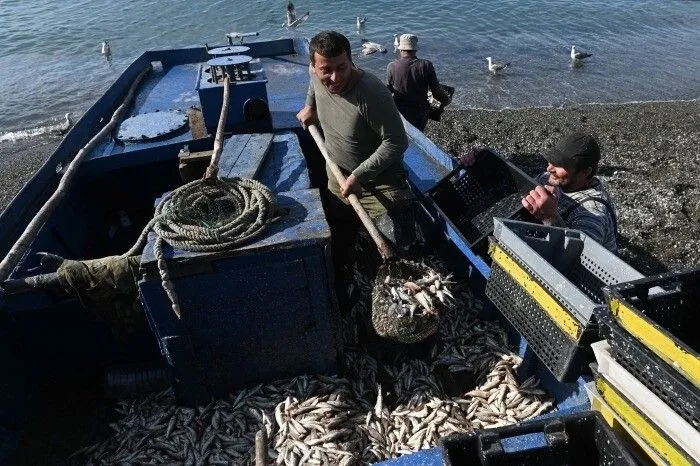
599	404
678	429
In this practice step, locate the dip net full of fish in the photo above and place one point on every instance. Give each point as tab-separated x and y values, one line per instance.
407	300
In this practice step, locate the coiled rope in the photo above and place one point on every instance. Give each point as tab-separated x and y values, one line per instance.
206	216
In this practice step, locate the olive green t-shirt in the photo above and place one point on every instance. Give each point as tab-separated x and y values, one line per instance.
363	129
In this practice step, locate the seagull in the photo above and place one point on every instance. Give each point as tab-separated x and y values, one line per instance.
495	67
66	125
291	14
292	20
578	55
106	50
396	42
369	47
361	20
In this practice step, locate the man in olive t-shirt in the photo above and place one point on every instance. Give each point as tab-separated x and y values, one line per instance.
364	134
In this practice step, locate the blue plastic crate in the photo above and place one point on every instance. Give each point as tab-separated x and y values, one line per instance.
257	313
579	439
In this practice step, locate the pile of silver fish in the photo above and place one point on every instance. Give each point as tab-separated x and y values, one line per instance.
408	297
341	420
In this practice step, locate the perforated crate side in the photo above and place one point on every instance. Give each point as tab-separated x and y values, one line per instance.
660	313
490	188
637	420
662	380
564	357
570	265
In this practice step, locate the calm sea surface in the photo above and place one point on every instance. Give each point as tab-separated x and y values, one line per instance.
50	60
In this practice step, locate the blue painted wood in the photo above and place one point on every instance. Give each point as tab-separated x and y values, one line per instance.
20	212
290	265
429	457
259	312
9	440
284	168
170	88
14	388
255	318
232	150
243	155
61	338
211	97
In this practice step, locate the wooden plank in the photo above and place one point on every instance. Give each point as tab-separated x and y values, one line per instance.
250	159
204	155
232	150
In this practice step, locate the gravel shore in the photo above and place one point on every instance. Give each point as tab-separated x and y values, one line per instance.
19	160
651	162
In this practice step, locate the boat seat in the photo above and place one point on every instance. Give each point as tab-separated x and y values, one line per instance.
243	155
284	168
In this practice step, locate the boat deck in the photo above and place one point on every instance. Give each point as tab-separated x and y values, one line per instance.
120	176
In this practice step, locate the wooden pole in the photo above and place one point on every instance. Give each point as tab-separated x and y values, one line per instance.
385	249
21	246
213	168
261	447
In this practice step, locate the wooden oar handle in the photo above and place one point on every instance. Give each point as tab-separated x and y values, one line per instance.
386	251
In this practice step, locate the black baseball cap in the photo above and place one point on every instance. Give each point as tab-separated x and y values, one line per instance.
575	150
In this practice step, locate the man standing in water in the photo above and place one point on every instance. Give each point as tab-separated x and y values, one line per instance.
410	78
364	136
569	194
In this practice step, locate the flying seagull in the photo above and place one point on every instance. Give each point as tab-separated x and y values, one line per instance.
292	20
369	47
361	20
578	55
396	42
106	50
495	67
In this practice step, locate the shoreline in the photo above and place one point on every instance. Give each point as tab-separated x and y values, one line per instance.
651	158
650	161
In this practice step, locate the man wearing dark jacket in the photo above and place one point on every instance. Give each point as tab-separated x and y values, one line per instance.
409	78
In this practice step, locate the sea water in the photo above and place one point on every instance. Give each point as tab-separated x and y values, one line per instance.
50	60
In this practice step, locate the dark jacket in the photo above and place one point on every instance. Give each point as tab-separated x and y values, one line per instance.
409	79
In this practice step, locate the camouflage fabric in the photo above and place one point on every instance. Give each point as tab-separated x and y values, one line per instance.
107	289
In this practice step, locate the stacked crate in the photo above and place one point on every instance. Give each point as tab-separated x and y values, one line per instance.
577	439
547	282
648	369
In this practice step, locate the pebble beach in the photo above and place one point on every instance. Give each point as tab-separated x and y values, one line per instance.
650	163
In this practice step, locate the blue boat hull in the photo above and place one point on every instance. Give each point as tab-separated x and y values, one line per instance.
58	339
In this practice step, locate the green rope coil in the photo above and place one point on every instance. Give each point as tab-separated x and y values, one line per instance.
207	216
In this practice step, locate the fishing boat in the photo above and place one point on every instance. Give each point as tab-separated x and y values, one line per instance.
256	312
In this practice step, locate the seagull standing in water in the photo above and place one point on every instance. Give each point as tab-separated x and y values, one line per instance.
66	125
369	47
496	67
107	52
577	56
